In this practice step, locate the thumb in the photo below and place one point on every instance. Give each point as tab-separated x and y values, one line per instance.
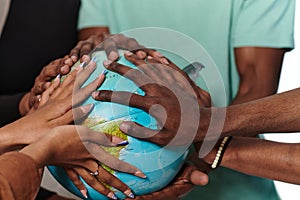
199	178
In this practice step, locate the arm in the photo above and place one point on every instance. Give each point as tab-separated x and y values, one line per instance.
56	108
258	157
19	171
276	113
259	71
260	44
21	183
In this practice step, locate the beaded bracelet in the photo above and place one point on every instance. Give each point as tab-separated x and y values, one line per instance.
220	152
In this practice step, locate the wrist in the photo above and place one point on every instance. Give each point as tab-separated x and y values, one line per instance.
209	158
36	152
217	156
11	138
214	123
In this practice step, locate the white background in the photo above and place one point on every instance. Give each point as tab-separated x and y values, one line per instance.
290	79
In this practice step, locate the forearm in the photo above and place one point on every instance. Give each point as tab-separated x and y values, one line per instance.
259	71
277	113
262	158
15	135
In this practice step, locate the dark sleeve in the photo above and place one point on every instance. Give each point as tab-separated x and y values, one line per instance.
9	108
19	176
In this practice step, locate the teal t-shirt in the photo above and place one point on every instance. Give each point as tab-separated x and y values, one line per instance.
217	26
260	23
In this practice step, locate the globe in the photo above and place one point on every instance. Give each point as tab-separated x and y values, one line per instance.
159	164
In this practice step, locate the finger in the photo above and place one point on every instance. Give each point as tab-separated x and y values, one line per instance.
50	71
93	182
84	74
127	43
93	137
172	76
138	77
170	192
143	133
68	115
107	178
110	47
159	137
66	66
124	98
73	176
190	174
86	48
199	178
80	112
83	93
67	86
70	78
74	53
64	69
144	66
157	56
161	75
46	95
112	162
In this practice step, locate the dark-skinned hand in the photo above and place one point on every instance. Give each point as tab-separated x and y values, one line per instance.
171	97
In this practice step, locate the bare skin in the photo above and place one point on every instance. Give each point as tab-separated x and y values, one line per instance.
79	147
283	118
54	110
259	71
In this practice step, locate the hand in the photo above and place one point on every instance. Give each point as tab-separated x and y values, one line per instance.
181	185
109	43
55	109
170	96
79	147
42	82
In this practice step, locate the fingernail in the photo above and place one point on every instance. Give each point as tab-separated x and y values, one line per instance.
84	193
58	76
124	127
87	108
112	195
106	63
150	57
129	194
64	69
74	58
123	143
86	58
141	54
94	59
186	181
82	65
95	94
128	53
104	72
113	56
140	174
68	61
165	61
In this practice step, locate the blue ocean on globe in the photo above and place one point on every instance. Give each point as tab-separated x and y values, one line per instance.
160	164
